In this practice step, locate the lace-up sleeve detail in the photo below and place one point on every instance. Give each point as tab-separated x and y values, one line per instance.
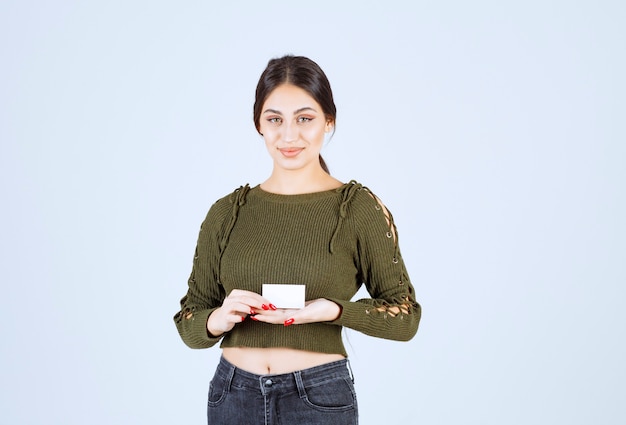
348	193
392	311
205	292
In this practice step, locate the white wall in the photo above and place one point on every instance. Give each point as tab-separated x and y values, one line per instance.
494	131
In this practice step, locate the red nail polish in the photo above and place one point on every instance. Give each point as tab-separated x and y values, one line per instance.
273	307
252	311
254	318
289	322
264	307
243	318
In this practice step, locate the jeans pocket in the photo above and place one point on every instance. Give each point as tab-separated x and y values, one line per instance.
217	391
331	396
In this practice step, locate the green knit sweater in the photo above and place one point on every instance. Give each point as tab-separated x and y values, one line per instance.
332	241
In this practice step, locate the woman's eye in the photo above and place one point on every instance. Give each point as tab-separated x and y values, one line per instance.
274	120
305	119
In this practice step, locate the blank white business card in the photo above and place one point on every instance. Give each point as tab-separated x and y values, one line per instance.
284	295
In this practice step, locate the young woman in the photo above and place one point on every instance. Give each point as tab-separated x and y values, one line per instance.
300	226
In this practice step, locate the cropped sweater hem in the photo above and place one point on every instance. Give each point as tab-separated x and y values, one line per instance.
304	337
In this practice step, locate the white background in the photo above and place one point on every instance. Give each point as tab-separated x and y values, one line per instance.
493	130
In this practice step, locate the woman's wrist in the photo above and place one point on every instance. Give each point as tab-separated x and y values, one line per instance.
212	332
336	314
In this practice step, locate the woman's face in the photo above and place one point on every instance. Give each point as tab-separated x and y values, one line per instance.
293	126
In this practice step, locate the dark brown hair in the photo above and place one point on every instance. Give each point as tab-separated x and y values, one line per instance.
301	72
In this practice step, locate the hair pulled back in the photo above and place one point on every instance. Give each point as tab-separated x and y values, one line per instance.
301	72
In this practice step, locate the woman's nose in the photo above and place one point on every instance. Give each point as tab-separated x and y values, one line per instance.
290	133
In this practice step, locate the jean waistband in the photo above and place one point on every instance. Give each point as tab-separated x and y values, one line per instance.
286	381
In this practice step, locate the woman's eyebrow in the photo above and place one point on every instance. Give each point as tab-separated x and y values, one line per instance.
306	108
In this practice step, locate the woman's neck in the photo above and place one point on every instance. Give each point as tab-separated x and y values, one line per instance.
288	182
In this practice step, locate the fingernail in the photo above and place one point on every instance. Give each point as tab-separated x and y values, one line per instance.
252	311
243	318
289	322
254	318
273	307
264	307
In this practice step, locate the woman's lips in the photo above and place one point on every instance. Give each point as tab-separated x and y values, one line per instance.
290	152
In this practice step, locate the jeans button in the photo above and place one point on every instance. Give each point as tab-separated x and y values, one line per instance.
268	383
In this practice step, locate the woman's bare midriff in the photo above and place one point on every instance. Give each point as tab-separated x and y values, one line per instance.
266	361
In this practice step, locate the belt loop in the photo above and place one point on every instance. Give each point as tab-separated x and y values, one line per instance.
350	370
229	378
298	377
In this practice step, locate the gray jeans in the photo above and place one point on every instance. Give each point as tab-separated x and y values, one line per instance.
316	396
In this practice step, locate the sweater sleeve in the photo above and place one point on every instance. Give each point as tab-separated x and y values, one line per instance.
205	293
392	311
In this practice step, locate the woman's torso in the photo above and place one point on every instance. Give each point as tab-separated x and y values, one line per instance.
297	239
277	360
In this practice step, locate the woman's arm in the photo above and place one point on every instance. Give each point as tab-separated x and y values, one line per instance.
392	311
204	293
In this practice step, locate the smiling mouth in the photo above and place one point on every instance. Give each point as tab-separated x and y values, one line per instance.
290	152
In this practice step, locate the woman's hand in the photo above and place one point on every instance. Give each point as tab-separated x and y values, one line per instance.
319	310
236	306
